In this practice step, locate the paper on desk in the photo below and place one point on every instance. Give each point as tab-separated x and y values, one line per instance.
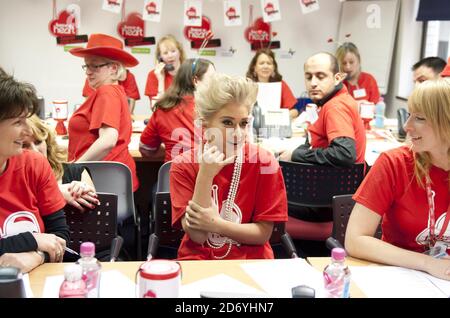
269	96
27	286
134	142
393	282
277	277
218	283
113	284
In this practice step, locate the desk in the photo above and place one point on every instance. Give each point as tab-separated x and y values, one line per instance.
192	271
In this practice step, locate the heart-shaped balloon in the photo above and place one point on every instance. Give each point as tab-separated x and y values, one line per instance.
63	26
195	33
132	27
260	31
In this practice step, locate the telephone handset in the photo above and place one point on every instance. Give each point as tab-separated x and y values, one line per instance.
167	67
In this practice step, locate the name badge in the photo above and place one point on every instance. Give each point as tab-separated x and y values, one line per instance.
359	93
437	251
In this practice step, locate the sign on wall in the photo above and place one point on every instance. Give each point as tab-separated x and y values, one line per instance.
132	30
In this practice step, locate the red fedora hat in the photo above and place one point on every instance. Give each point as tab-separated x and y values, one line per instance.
106	46
446	71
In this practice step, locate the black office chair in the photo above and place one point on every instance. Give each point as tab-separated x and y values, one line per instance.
115	177
313	186
342	208
98	225
164	235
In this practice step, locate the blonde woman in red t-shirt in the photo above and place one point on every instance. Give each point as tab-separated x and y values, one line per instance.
100	129
408	190
169	56
226	194
361	85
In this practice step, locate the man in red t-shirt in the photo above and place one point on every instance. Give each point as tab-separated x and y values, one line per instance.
428	68
338	136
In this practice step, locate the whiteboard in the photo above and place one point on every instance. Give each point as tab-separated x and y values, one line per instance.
371	26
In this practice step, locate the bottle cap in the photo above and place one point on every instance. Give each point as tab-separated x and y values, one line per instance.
87	249
72	272
338	253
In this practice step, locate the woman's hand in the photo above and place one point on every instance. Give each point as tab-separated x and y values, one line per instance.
51	244
212	161
159	71
205	219
80	195
25	261
438	267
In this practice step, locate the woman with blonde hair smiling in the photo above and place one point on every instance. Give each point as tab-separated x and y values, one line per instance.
227	195
73	180
414	201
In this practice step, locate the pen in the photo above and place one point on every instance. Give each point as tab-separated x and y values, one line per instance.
71	251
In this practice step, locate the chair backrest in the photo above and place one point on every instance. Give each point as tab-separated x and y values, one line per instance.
98	225
114	177
163	184
342	208
315	185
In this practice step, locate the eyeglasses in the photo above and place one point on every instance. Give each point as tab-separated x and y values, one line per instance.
93	68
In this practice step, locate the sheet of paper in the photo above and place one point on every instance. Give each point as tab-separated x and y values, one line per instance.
27	285
219	283
269	96
278	117
393	282
277	277
134	142
113	284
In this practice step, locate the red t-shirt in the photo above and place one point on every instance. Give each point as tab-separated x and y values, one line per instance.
28	192
367	82
339	117
173	127
287	98
129	85
261	196
107	106
151	87
391	190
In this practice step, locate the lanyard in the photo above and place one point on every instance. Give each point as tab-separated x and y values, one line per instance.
432	218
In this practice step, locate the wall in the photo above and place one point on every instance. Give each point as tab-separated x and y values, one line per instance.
406	53
30	52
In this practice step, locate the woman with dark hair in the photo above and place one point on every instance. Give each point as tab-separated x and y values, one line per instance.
264	68
172	121
33	226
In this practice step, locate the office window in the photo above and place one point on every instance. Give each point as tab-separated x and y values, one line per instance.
437	39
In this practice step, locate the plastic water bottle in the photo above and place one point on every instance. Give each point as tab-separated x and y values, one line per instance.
73	286
337	275
91	269
379	113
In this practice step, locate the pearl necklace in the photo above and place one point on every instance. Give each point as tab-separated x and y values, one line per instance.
229	205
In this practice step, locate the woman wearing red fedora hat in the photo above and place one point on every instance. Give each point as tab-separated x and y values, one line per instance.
100	129
129	85
169	56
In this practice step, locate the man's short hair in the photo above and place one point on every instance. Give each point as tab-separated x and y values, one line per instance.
434	62
334	65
